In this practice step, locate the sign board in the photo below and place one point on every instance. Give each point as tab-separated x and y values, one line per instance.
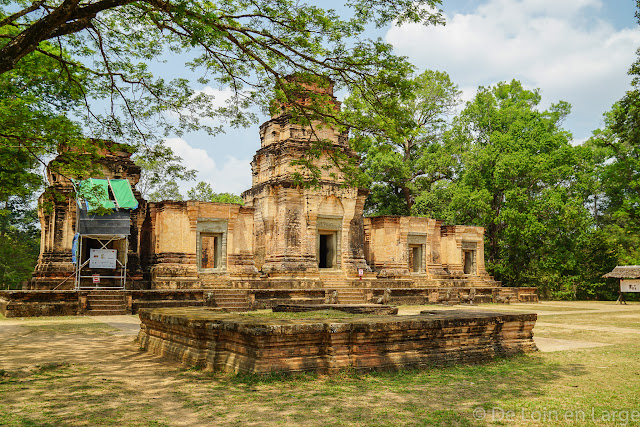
96	278
102	258
360	273
630	285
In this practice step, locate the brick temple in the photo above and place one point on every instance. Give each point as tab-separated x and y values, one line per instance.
287	243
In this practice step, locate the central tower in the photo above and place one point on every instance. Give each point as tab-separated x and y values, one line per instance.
305	232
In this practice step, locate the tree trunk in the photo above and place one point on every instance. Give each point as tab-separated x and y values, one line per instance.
408	199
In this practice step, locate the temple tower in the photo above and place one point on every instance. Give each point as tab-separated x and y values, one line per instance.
305	232
55	268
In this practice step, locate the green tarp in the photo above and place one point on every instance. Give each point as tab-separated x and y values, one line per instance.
96	192
124	196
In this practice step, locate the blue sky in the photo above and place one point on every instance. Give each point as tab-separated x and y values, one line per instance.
573	50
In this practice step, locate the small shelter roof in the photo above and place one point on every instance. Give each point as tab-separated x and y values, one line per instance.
624	272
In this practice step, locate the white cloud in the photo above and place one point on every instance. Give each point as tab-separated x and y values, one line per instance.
233	176
220	96
218	99
561	47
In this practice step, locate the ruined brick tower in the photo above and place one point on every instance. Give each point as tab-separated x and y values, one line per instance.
305	232
58	224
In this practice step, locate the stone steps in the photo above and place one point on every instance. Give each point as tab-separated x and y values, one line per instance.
333	280
231	299
351	296
107	312
106	303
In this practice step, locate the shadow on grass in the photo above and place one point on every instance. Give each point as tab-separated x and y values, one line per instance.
517	377
445	395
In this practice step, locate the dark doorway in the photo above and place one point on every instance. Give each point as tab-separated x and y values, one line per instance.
326	251
209	253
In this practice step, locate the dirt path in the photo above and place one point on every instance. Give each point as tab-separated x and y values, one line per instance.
102	358
594	328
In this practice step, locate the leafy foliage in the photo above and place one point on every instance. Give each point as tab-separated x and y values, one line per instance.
244	45
160	168
203	192
32	128
399	138
19	242
168	190
618	145
519	177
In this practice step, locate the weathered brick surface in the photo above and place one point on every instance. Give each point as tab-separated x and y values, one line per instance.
235	343
64	303
38	303
347	308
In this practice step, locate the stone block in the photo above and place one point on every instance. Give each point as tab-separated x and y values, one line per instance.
235	343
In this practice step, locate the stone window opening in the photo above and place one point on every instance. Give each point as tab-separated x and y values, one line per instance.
415	258
327	242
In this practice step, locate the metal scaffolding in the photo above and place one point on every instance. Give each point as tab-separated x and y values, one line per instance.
101	244
85	271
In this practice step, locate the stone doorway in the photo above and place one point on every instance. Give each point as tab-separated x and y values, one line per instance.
327	241
415	258
468	262
210	250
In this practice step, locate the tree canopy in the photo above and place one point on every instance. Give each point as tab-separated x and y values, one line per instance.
247	45
95	54
520	178
617	201
399	138
203	192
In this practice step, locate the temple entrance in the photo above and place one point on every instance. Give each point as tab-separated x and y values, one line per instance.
101	261
327	249
468	262
210	250
415	258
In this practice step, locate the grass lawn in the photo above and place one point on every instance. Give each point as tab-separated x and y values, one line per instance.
75	371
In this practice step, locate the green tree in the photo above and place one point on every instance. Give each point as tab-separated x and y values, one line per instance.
19	242
399	139
618	145
619	191
33	127
203	192
520	178
160	168
167	190
227	198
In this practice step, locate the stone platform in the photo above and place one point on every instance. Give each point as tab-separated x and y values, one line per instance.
68	302
236	343
377	309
